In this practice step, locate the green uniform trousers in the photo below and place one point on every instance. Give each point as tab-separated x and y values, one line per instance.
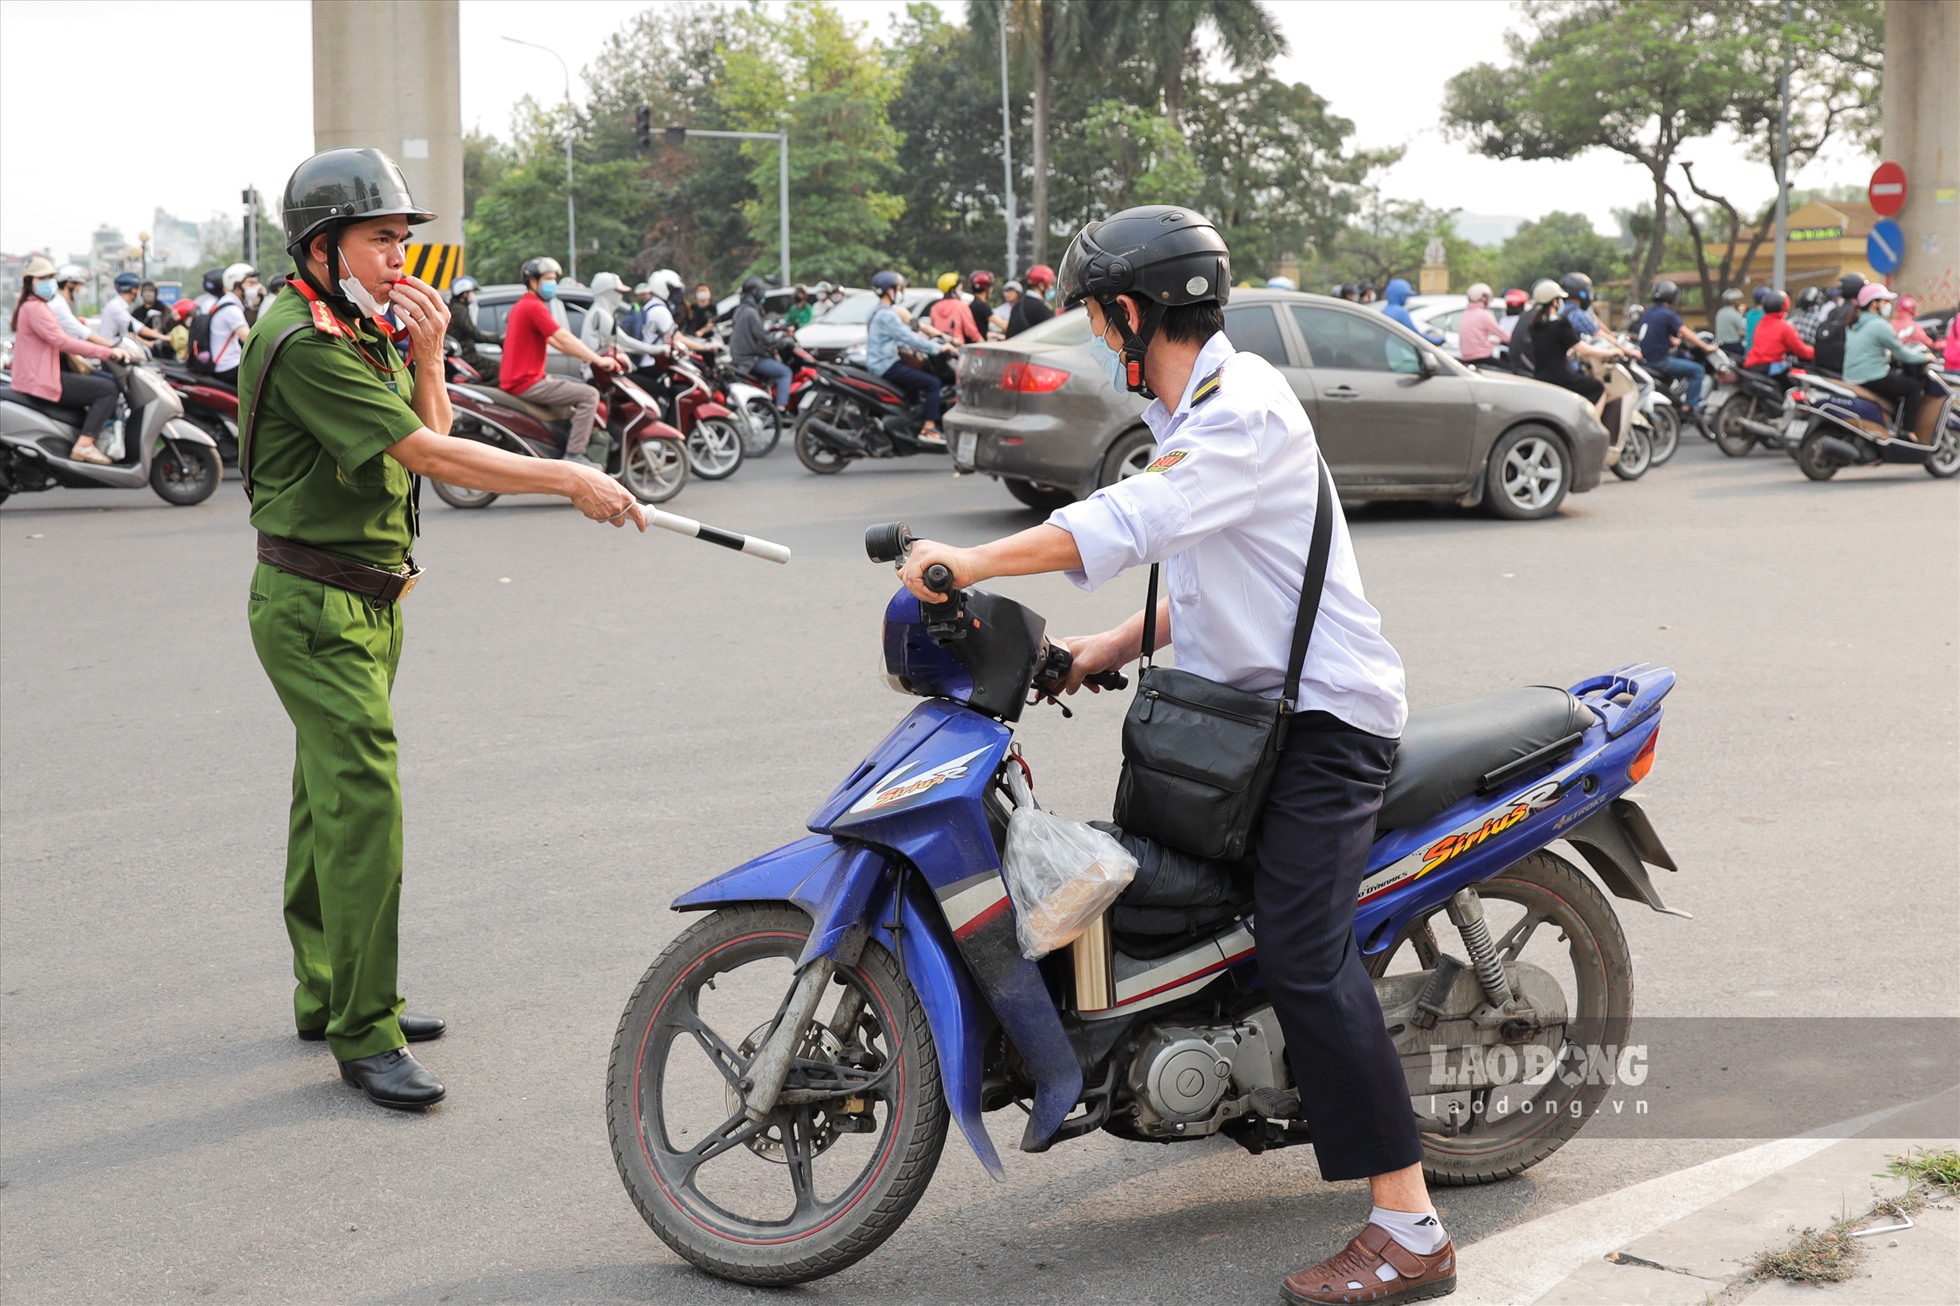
331	656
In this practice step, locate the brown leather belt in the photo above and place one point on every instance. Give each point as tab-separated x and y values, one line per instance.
378	583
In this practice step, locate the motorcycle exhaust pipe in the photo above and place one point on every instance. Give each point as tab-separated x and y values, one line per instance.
1842	450
1761	430
837	435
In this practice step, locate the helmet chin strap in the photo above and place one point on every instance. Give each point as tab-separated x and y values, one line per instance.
1135	343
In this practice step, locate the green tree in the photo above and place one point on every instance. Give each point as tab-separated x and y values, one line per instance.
1122	155
1640	78
1387	238
807	70
484	161
1275	173
1244	33
1554	245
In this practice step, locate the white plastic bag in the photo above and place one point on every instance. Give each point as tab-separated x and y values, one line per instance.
1061	874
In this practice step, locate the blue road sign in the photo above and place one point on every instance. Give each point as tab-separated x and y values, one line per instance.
1885	246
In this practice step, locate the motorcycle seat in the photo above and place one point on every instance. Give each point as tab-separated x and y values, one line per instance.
69	414
542	412
1449	753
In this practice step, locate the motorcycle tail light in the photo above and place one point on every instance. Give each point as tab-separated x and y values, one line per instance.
1032	378
1799	397
1643	762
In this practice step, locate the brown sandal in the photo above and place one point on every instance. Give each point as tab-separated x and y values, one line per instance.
1349	1275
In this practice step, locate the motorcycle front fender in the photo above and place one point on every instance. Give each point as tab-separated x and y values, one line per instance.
713	410
656	430
848	895
179	431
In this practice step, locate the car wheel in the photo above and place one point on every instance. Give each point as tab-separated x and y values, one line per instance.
1529	474
1133	452
1036	496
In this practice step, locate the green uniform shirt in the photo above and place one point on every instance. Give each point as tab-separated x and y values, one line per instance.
319	475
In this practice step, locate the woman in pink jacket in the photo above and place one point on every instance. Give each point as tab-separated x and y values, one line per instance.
1477	333
39	343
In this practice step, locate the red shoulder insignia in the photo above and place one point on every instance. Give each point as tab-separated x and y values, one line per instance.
324	320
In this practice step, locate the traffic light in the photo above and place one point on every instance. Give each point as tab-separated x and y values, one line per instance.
642	127
676	137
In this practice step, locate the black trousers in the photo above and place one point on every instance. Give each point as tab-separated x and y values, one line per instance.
1313	850
93	392
1904	385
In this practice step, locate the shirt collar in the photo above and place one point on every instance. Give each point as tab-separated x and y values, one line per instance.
1160	415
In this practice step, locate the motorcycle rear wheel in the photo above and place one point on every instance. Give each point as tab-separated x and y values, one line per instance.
1728	438
1946	457
765	425
1545	890
698	1006
1816	464
457	496
811	449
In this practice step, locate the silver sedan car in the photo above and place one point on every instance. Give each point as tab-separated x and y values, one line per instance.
1396	417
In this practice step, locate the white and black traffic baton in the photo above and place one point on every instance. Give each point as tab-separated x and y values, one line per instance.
749	544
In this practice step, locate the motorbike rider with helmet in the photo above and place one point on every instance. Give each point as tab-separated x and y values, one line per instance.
528	330
466	333
1228	508
69	280
1776	339
982	312
228	325
884	335
601	329
1578	290
1836	323
334	425
749	350
214	286
118	320
1662	331
1554	345
1031	308
1477	333
1731	325
1875	357
800	309
950	315
39	346
1757	298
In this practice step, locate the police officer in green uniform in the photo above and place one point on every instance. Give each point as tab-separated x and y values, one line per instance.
334	429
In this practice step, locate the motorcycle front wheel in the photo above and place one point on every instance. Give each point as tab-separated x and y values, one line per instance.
1667	432
1541	911
655	470
715	448
1636	454
818	1183
765	425
457	496
186	474
1730	438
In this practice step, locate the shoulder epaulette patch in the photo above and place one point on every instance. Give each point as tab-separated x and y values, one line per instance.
1206	388
324	320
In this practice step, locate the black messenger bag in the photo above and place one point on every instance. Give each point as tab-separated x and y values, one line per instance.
1198	756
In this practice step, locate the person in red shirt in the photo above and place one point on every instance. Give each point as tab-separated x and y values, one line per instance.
528	329
1776	339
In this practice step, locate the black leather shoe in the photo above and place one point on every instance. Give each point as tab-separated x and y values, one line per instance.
416	1029
394	1079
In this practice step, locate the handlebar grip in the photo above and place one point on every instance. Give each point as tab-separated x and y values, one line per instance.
1108	680
939	578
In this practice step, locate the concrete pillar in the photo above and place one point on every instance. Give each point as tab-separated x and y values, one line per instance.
388	73
1922	135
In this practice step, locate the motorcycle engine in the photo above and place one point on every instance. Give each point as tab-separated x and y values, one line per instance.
1186	1081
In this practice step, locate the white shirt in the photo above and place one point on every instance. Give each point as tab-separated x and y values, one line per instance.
64	313
1228	508
116	321
658	324
227	315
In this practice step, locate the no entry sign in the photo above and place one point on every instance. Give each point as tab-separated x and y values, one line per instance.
1887	191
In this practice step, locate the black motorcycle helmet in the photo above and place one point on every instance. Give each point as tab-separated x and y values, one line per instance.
754	289
1578	288
214	282
1810	297
1850	284
1166	256
337	187
1776	302
1664	292
1760	295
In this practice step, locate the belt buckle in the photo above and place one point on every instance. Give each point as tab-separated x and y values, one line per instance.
409	574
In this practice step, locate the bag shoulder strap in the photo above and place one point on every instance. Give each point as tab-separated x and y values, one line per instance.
248	414
1314	585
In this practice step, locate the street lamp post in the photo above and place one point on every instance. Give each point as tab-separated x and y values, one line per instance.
1007	148
571	122
677	134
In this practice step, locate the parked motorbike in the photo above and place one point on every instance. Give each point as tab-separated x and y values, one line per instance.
850	413
1758	411
784	1074
159	448
643	453
1850	426
209	405
714	434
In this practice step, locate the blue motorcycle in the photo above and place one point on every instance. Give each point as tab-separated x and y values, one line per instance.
784	1074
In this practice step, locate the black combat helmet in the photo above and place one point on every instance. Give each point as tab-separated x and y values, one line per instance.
337	187
1169	257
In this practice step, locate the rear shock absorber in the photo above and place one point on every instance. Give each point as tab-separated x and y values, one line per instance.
1466	911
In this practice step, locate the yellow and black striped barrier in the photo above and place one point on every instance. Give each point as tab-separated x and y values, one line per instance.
436	264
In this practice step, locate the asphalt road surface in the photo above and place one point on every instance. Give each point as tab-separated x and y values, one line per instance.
593	721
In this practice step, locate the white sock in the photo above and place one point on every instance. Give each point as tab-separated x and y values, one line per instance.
1419	1231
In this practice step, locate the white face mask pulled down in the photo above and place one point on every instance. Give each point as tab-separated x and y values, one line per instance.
357	294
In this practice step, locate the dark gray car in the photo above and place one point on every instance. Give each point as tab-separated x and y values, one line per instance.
1396	418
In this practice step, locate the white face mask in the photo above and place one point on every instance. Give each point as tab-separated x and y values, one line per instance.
253	294
358	295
